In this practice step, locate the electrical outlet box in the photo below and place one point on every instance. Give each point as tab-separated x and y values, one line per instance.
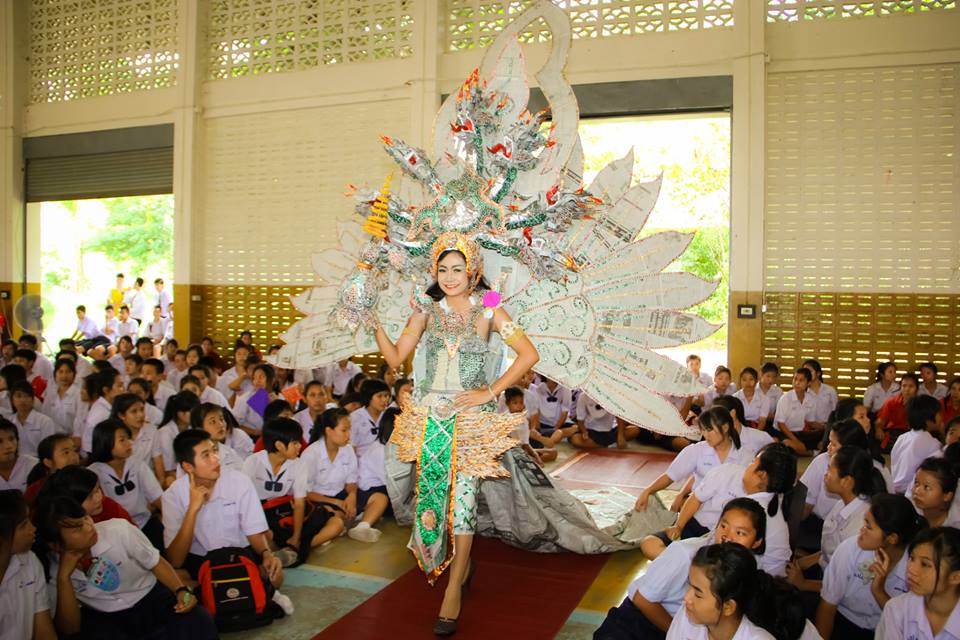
4	295
196	297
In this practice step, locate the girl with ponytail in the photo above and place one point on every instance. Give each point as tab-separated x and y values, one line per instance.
769	479
868	570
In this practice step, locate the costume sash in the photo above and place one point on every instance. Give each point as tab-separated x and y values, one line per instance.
432	539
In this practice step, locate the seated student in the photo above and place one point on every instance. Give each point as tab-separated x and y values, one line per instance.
824	395
54	452
328	468
402	391
131	368
9	375
918	444
720	444
127	327
553	402
928	382
247	417
365	427
156	329
82	485
24	606
128	408
884	387
238	440
14	466
32	426
142	389
349	402
60	403
26	358
152	372
111	583
756	406
177	368
950	405
315	394
88	335
751	440
723	587
769	389
128	481
103	388
534	444
597	428
892	417
190	383
210	508
722	386
795	411
208	393
124	349
176	419
771	475
656	596
213	420
235	381
929	609
935	489
868	570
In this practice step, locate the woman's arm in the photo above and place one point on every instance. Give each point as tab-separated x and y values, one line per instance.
826	614
67	614
653	611
396	354
662	482
166	575
689	509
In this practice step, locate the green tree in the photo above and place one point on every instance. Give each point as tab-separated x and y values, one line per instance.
139	231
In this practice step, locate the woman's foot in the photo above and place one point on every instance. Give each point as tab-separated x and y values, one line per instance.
364	532
445	626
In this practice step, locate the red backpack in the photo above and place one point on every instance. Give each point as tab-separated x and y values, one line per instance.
235	592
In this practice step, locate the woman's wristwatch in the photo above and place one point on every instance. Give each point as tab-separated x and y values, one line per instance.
185	589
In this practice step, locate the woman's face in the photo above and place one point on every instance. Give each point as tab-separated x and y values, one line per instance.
452	274
259	379
65	453
93	505
701	605
908	388
23	536
955	392
64	376
134	416
737	526
748	382
890	374
860	415
79	534
831	479
800	383
871	535
922	572
928	492
390	376
8	446
340	435
927	374
122	445
215	425
380	401
834	444
712	436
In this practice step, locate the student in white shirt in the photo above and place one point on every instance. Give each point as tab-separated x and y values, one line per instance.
261	379
883	389
124	349
164	301
208	393
101	389
88	335
127	327
537	447
771	474
32	425
60	404
751	440
597	428
934	491
315	396
213	419
152	372
235	381
128	408
868	570
176	419
929	611
723	585
824	394
917	444
722	386
756	406
42	366
131	483
768	387
177	369
14	467
553	402
156	329
720	444
372	499
655	596
340	376
127	591
795	413
928	382
24	606
136	300
110	324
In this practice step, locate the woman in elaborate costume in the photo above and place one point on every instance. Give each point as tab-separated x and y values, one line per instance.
453	430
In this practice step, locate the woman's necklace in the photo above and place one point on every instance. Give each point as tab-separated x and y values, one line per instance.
452	326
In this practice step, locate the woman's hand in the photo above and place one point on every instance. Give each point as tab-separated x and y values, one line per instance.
472	398
185	602
880	568
642	501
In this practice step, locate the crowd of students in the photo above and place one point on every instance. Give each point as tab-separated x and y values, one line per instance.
121	473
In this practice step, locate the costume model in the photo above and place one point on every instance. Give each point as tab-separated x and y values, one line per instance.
572	289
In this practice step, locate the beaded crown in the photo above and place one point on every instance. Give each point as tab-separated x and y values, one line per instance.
453	241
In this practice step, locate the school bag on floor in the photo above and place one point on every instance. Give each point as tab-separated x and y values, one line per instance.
235	592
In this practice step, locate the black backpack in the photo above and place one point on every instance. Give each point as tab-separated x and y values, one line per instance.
235	591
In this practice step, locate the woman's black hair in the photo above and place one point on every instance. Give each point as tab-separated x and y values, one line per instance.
104	437
435	291
178	402
45	452
268	371
805	373
387	421
779	462
49	517
777	608
355	383
751	371
13	511
850	433
733	405
73	481
12	373
103	380
717	418
65	362
857	464
758	518
732	572
815	365
943	470
147	388
326	420
946	546
371	387
123	402
895	514
399	384
882	367
199	413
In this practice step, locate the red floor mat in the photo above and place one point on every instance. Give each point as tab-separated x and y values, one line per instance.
514	594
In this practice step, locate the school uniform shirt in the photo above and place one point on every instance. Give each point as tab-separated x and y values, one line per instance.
593	416
893	413
875	395
364	430
683	629
232	513
162	394
121	572
939	392
5	407
794	413
340	377
89	328
809	632
552	404
174	376
23	593
665	581
244	414
62	410
147	445
240	442
306	422
99	411
133	489
136	301
713	393
817	495
80	421
164	300
751	441
213	395
705	379
43	367
755	408
165	436
226	378
843	522
18	475
32	430
110	329
773	395
129	328
118	362
846	583
905	617
269	485
328	477
371	467
910	449
156	330
697	459
825	402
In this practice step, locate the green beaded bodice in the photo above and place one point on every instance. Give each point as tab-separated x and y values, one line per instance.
455	354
